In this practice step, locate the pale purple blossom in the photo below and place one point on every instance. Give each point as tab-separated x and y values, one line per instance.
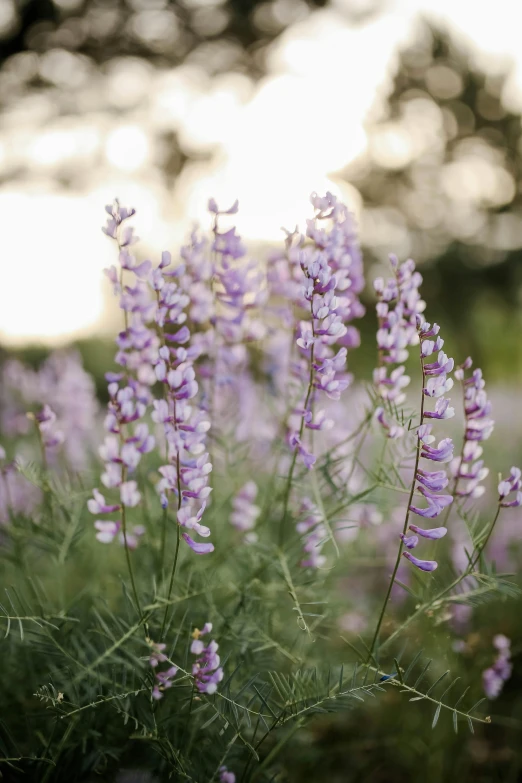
423	565
107	531
313	532
468	471
206	670
51	436
434	533
163	679
495	676
18	496
410	542
511	485
398	305
430	483
320	274
244	511
390	429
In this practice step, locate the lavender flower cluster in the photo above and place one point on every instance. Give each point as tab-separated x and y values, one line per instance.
431	483
152	348
496	675
164	678
188	350
398	305
206	670
322	275
468	470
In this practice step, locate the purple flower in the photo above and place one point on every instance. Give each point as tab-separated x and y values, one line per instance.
493	679
206	670
442	453
322	277
434	480
398	306
314	534
129	494
97	505
50	435
132	537
410	542
391	431
157	655
199	549
107	531
244	511
492	683
163	678
225	776
512	484
434	533
501	643
468	474
424	565
192	522
442	366
436	503
442	410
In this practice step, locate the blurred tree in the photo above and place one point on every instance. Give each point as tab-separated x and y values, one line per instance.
67	59
441	181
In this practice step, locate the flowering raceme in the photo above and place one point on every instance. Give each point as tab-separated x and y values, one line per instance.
206	670
431	483
468	470
493	679
322	274
153	347
398	305
163	678
226	288
244	511
402	326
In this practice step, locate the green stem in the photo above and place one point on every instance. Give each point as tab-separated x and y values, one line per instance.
277	749
163	542
175	563
288	489
468	572
406	520
171	584
127	557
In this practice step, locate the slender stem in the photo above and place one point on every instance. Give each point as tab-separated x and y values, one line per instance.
484	544
164	521
282	529
406	520
175	563
127	555
468	572
172	575
287	498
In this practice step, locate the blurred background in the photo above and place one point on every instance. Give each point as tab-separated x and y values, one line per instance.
408	109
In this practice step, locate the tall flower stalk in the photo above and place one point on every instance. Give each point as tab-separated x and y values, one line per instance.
331	279
510	486
128	435
468	469
429	484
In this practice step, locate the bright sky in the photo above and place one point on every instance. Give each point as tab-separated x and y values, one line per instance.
272	145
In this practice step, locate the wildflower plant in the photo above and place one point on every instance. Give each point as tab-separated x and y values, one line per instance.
179	601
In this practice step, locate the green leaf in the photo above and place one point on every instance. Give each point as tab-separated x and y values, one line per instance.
399	673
